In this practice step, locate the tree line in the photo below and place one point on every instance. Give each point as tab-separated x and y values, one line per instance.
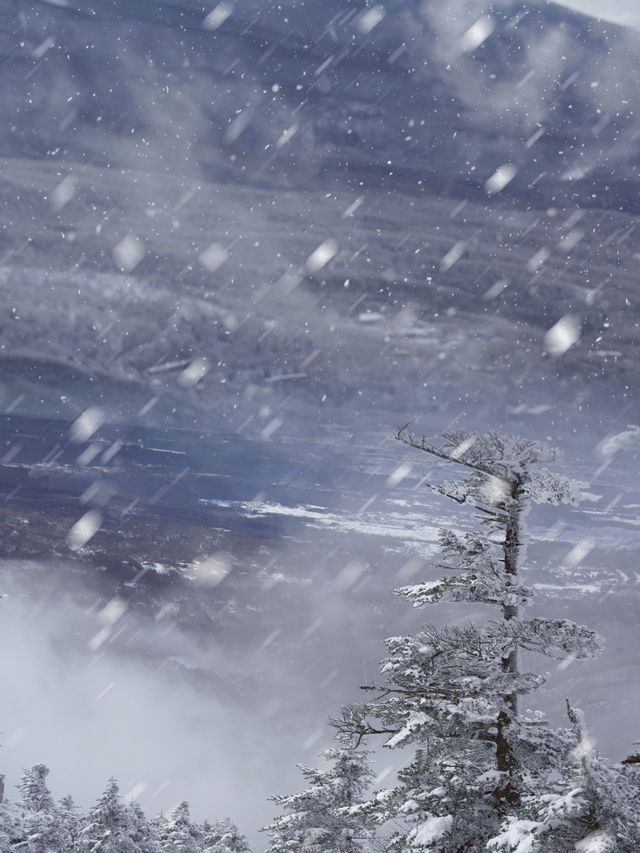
36	823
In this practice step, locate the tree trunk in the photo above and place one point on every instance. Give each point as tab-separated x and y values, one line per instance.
505	759
511	551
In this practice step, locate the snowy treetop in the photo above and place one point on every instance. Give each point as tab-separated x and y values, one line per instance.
499	465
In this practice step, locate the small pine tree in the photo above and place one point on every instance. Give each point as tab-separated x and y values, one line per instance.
223	837
71	822
34	793
327	817
176	832
107	828
141	830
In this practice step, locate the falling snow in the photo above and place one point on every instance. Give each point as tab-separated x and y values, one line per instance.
242	244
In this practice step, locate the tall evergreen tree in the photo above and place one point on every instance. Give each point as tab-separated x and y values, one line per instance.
452	692
328	816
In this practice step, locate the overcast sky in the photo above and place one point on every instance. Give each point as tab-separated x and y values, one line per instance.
621	11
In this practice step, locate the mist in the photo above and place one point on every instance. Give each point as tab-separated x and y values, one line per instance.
165	736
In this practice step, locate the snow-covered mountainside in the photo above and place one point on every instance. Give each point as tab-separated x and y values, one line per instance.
323	204
300	91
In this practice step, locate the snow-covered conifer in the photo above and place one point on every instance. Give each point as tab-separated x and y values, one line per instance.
34	793
107	828
177	833
328	816
223	837
141	830
70	821
37	824
41	821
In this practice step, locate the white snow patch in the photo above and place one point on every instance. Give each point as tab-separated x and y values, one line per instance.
431	831
517	837
406	524
595	842
415	721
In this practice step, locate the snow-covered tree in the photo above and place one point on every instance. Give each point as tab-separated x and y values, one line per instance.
41	821
592	807
71	822
327	817
223	837
177	833
11	831
108	826
37	824
451	692
141	830
34	793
